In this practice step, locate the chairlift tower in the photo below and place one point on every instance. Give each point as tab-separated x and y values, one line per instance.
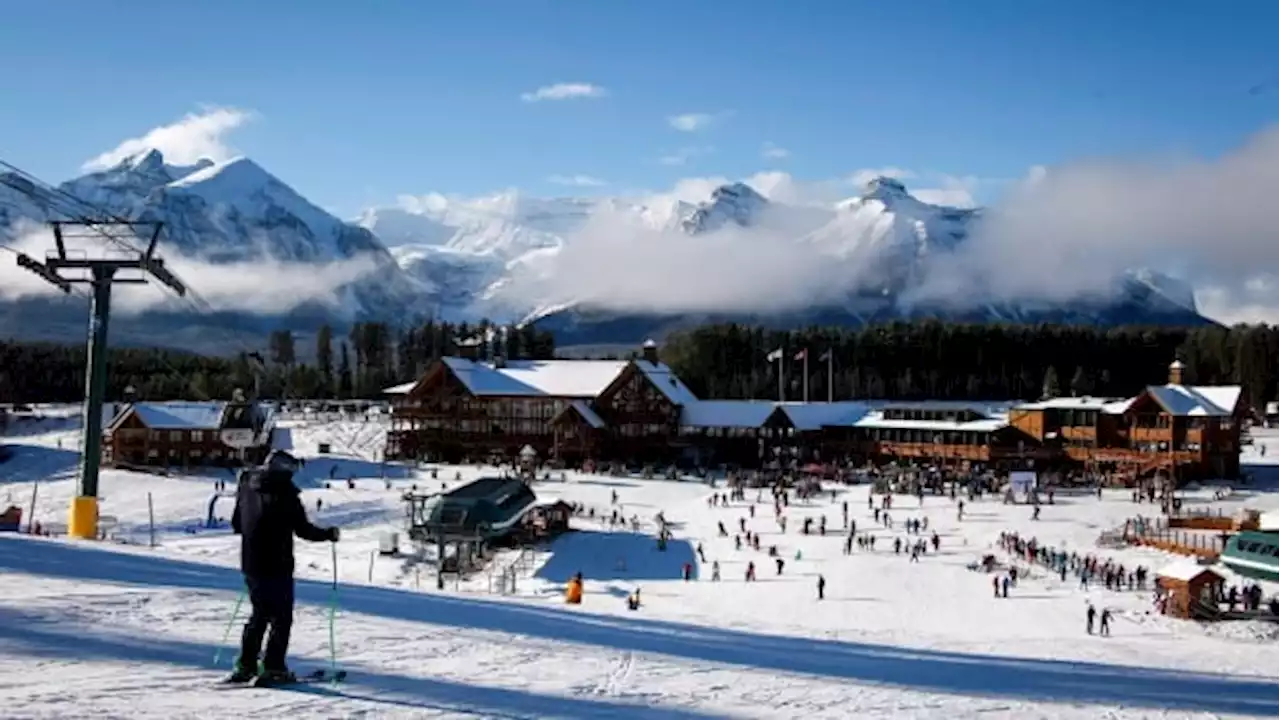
64	270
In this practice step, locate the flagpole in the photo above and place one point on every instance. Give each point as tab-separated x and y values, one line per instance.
806	375
782	388
831	377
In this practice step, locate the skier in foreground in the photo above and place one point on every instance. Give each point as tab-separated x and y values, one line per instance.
267	515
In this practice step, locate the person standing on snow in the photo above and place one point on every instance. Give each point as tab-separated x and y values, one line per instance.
822	587
268	513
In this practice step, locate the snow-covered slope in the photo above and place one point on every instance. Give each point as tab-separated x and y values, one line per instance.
123	629
736	204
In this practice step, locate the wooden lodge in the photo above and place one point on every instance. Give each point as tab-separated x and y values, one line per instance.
1186	432
185	434
638	412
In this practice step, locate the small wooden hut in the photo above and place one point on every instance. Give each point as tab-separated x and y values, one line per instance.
1192	590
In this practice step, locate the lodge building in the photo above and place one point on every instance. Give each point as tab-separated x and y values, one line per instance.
185	434
638	411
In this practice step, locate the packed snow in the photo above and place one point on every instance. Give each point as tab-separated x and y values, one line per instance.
122	628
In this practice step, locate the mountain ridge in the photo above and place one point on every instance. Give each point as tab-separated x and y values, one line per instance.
459	259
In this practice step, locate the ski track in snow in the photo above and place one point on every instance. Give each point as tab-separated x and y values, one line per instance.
125	631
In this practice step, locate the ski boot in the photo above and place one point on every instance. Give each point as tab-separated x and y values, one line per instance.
274	678
241	674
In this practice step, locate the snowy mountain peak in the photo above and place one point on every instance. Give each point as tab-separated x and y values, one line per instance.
736	203
885	187
237	177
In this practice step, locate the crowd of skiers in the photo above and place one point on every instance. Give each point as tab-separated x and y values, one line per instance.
1086	568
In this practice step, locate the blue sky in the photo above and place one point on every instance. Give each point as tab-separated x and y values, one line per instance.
356	103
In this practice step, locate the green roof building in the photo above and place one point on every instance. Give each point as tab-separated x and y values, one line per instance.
1254	554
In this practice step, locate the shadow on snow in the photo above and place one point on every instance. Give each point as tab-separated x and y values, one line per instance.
28	463
25	634
623	556
952	672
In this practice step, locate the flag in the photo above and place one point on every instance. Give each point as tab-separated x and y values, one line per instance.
824	356
803	354
774	356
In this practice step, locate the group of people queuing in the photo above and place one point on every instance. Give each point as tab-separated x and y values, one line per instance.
1088	569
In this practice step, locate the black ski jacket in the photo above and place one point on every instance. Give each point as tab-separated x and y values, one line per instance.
268	514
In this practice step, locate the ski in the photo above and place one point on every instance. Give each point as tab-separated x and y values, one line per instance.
313	677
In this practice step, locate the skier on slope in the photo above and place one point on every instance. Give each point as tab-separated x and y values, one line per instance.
268	513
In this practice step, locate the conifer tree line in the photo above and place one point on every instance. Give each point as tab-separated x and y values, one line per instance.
946	361
357	364
922	360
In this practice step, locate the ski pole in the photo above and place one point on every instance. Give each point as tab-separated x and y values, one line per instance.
217	656
333	608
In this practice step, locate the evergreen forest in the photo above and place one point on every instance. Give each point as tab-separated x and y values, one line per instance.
922	360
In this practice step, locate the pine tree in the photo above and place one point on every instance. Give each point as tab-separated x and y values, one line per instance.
1050	387
344	372
324	359
1081	384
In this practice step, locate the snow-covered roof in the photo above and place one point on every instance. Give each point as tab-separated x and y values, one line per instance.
401	389
584	409
813	416
981	407
1185	570
666	381
876	419
1197	400
180	415
535	378
727	413
1118	407
1069	403
1269	521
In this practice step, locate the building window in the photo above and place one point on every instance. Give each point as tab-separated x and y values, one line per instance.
197	436
175	436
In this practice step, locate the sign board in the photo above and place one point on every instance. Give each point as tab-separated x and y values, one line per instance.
238	438
1022	481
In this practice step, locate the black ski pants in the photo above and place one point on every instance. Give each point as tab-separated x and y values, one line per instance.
272	601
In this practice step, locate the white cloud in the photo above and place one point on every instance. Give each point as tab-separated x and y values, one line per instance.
773	152
195	136
564	91
617	261
1067	232
576	180
1251	301
691	122
260	286
684	155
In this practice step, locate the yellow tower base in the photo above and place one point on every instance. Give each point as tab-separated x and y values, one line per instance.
82	521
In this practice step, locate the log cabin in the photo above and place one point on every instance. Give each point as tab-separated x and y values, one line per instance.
186	434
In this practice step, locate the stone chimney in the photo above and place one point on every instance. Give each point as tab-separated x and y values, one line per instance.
1175	372
649	351
499	361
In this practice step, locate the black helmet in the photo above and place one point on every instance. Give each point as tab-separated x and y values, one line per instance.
280	461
